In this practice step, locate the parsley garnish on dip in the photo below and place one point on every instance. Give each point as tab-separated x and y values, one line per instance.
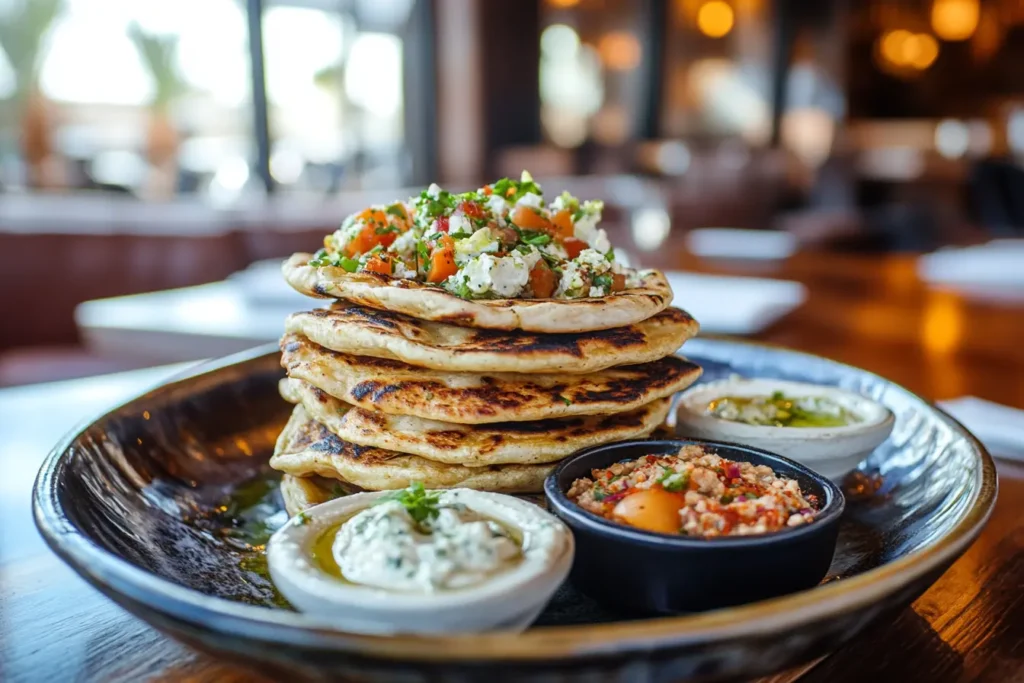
501	241
423	541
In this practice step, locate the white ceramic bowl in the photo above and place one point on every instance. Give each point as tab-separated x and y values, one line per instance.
831	451
509	601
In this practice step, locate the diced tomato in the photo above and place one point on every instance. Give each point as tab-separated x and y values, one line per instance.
488	190
368	238
445	242
378	264
442	264
542	280
442	224
473	210
618	282
528	219
573	246
372	216
561	223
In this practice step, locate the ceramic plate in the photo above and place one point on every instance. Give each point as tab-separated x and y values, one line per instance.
163	505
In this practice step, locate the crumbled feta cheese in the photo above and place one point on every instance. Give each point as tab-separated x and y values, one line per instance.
403	271
571	281
405	244
597	291
505	276
458	223
594	260
509	275
534	201
497	204
434	191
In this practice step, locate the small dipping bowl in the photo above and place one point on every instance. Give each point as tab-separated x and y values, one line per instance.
831	451
509	601
643	572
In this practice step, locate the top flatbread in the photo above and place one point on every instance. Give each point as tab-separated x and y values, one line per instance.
428	302
365	331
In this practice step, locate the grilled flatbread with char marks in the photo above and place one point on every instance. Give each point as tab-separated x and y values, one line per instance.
365	331
306	448
399	389
475	445
428	302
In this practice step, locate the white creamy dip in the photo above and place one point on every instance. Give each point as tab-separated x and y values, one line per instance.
383	546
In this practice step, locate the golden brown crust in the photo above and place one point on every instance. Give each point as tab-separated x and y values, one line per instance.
531	442
400	389
358	330
306	448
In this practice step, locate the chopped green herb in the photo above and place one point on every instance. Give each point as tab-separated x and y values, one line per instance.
673	481
609	256
396	210
726	499
418	502
565	400
535	238
386	229
302	518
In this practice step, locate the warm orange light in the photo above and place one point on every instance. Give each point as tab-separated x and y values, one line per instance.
891	45
619	50
910	50
955	19
715	18
942	327
920	51
563	3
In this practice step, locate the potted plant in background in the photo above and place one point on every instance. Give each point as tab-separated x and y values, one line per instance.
22	32
159	55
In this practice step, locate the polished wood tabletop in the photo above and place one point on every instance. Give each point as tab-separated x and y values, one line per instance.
870	311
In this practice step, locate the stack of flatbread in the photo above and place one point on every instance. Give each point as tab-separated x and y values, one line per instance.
398	382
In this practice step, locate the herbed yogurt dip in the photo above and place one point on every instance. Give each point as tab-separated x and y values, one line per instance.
423	541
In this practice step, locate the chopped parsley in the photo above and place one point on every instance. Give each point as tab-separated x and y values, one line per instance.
419	503
673	481
534	238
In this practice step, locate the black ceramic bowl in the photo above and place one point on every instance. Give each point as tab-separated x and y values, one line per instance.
642	572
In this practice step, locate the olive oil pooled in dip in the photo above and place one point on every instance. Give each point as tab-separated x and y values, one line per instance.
779	410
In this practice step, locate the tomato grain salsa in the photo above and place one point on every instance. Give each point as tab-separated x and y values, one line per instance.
694	493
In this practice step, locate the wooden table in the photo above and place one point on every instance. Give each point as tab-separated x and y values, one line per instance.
869	311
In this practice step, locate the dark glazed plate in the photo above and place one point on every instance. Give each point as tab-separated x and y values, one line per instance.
162	504
671	574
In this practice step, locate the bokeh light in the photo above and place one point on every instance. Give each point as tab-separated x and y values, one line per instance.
619	50
955	19
715	18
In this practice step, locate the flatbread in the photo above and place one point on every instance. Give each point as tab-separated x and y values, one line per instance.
475	445
306	447
399	389
365	331
429	302
300	493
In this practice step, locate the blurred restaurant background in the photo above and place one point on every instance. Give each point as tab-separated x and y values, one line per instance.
158	158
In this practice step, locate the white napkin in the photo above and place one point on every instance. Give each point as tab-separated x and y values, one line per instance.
734	305
999	427
995	264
